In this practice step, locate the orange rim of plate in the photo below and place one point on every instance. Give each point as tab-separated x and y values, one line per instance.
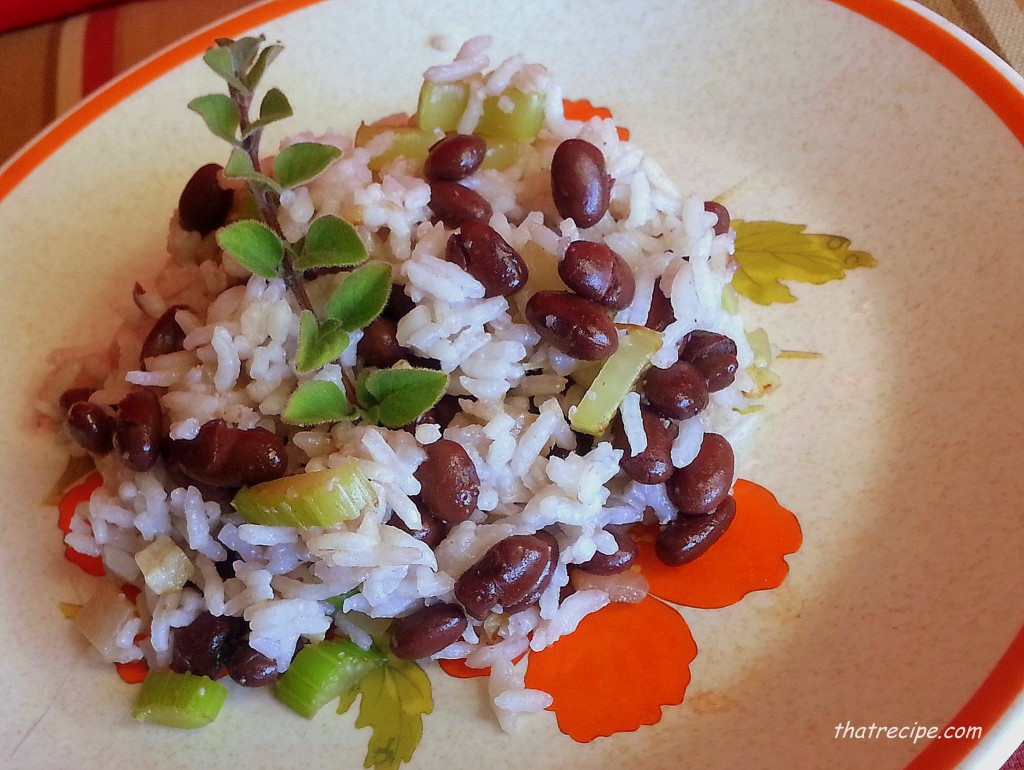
986	79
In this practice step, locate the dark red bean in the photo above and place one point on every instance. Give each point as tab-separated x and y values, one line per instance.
714	354
91	426
73	396
485	255
138	430
222	456
654	464
399	304
176	477
165	337
679	392
250	668
204	204
580	185
574	325
716	208
428	630
702	485
450	483
379	344
686	538
719	371
531	597
440	414
432	530
613	563
453	158
594	271
660	315
455	204
204	646
511	575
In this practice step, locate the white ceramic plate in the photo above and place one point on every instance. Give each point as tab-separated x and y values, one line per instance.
900	450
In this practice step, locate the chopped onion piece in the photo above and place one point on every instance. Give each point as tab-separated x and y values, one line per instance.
164	565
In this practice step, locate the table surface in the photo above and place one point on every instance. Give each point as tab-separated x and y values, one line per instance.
47	68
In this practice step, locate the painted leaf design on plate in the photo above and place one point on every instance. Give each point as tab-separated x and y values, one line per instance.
395	697
769	253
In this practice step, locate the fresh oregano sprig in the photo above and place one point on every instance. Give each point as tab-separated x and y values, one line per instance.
390	397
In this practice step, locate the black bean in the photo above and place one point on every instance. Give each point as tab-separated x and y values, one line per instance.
580	185
165	337
138	430
399	304
449	481
453	158
716	208
613	563
702	485
428	630
250	668
431	531
576	326
73	396
594	271
654	464
222	456
485	255
686	538
204	646
714	354
204	204
91	426
511	575
660	315
455	204
379	344
679	392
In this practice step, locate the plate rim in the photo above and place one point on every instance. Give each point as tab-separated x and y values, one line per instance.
997	705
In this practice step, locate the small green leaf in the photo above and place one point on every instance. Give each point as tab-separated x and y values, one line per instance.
361	296
395	697
299	163
243	51
274	107
400	395
267	55
220	114
239	166
254	245
319	344
221	61
317	402
771	252
331	242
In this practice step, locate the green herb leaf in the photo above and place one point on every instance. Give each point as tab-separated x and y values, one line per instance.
220	113
267	55
771	252
274	107
400	395
222	62
317	402
331	242
319	344
239	166
361	296
254	245
243	51
299	163
395	696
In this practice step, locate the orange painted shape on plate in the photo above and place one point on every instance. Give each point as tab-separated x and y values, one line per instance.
582	109
617	671
460	670
75	495
134	672
748	557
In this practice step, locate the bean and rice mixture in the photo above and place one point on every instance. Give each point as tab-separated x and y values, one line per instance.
495	526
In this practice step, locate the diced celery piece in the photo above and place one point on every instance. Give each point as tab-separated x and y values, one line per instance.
543	270
500	155
318	499
406	142
521	124
323	671
730	300
185	701
441	105
761	347
617	377
164	565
